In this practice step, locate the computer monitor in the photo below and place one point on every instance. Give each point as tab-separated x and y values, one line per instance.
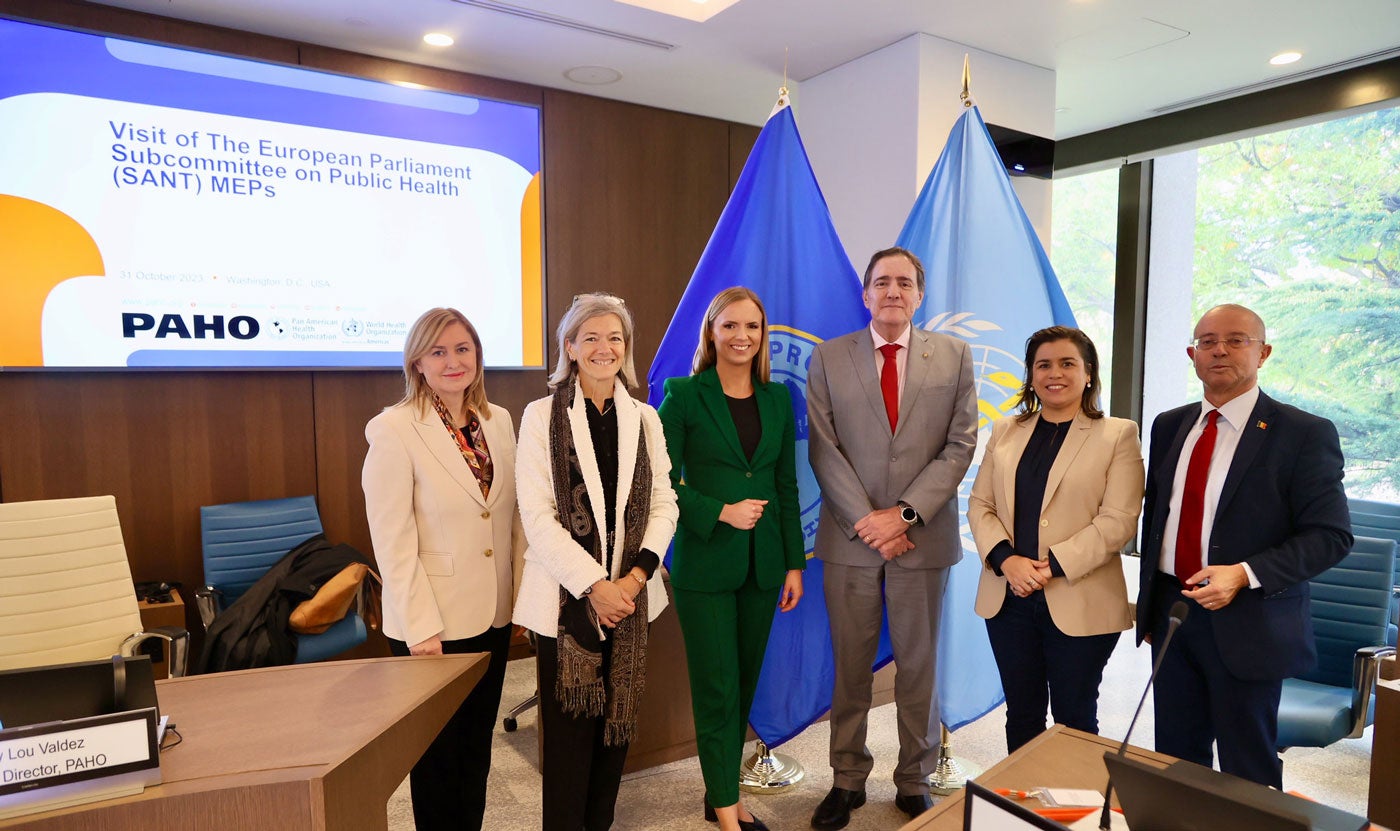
1189	797
38	695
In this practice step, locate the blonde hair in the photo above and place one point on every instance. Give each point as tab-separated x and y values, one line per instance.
586	307
421	339
705	356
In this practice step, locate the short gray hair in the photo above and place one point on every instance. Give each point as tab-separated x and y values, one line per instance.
586	307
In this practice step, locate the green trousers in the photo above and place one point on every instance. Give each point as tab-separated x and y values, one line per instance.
726	634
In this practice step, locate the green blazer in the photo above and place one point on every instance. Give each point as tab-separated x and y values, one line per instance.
709	470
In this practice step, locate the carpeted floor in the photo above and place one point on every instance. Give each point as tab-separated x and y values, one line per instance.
669	797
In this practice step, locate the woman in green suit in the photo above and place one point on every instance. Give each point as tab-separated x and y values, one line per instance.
738	551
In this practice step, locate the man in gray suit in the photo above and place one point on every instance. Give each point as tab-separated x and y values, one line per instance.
893	425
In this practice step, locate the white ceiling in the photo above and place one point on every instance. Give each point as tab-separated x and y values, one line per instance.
1115	60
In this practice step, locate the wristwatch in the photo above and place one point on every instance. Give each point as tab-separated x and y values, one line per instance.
909	515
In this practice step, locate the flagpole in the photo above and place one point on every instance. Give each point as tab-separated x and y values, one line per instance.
766	772
951	773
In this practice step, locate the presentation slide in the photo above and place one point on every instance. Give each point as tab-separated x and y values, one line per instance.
168	208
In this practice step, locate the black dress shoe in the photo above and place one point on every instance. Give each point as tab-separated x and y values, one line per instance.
835	810
913	804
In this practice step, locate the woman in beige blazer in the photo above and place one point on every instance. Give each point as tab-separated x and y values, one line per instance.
439	484
1056	498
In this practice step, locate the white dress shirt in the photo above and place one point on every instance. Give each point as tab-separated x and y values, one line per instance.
1234	415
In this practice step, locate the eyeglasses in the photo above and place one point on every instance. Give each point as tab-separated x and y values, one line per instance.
1233	342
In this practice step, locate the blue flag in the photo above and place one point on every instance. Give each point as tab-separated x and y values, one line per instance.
989	283
776	238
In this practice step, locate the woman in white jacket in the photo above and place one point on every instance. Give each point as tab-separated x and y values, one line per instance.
598	510
439	485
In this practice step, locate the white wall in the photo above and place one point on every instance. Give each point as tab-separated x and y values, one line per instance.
874	127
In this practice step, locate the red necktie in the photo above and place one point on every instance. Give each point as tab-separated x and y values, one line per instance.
889	382
1193	502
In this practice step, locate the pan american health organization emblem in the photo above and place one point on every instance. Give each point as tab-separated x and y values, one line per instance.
790	355
997	381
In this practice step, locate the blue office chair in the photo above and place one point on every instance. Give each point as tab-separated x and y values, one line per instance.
242	540
1350	612
1380	519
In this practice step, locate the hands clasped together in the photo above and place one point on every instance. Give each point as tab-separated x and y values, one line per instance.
613	600
885	531
1025	575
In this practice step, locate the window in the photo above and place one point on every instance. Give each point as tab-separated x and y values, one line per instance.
1303	226
1083	250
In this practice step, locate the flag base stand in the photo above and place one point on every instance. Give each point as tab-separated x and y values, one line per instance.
766	772
950	774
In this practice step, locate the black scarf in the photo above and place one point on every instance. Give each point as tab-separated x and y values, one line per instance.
582	690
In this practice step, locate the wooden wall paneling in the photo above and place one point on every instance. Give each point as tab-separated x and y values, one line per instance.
344	402
163	444
141	26
631	196
741	141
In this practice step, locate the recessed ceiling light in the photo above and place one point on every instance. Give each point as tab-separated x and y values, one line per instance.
593	75
437	39
1283	58
696	10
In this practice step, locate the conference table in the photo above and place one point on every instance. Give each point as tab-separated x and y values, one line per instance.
1058	758
296	748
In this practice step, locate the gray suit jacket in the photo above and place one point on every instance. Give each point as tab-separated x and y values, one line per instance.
862	467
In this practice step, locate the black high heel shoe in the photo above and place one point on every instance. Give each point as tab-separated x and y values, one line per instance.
755	824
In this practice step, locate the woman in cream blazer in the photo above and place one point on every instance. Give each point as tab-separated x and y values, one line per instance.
598	511
449	544
1051	586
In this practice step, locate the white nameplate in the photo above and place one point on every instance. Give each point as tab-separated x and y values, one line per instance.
36	761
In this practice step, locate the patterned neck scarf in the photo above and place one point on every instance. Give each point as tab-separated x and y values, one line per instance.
472	442
581	687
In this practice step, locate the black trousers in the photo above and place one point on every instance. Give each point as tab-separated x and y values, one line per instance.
1041	665
581	773
1198	702
448	784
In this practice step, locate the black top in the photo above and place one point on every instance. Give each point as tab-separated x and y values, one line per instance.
744	411
1031	476
602	429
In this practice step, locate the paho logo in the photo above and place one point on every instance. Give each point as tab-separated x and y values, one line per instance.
790	353
997	380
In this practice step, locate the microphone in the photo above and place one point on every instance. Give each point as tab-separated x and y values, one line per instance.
1175	618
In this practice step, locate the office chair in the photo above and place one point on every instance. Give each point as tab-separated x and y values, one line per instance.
66	590
1350	612
242	540
1370	518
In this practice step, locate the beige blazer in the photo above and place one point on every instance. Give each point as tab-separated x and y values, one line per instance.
553	557
1093	497
436	538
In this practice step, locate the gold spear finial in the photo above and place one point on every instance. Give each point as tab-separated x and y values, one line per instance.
966	95
783	99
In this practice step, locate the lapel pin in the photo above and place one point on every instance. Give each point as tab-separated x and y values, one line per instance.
1261	424
925	354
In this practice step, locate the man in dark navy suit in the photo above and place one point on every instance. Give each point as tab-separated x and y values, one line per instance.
1244	505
